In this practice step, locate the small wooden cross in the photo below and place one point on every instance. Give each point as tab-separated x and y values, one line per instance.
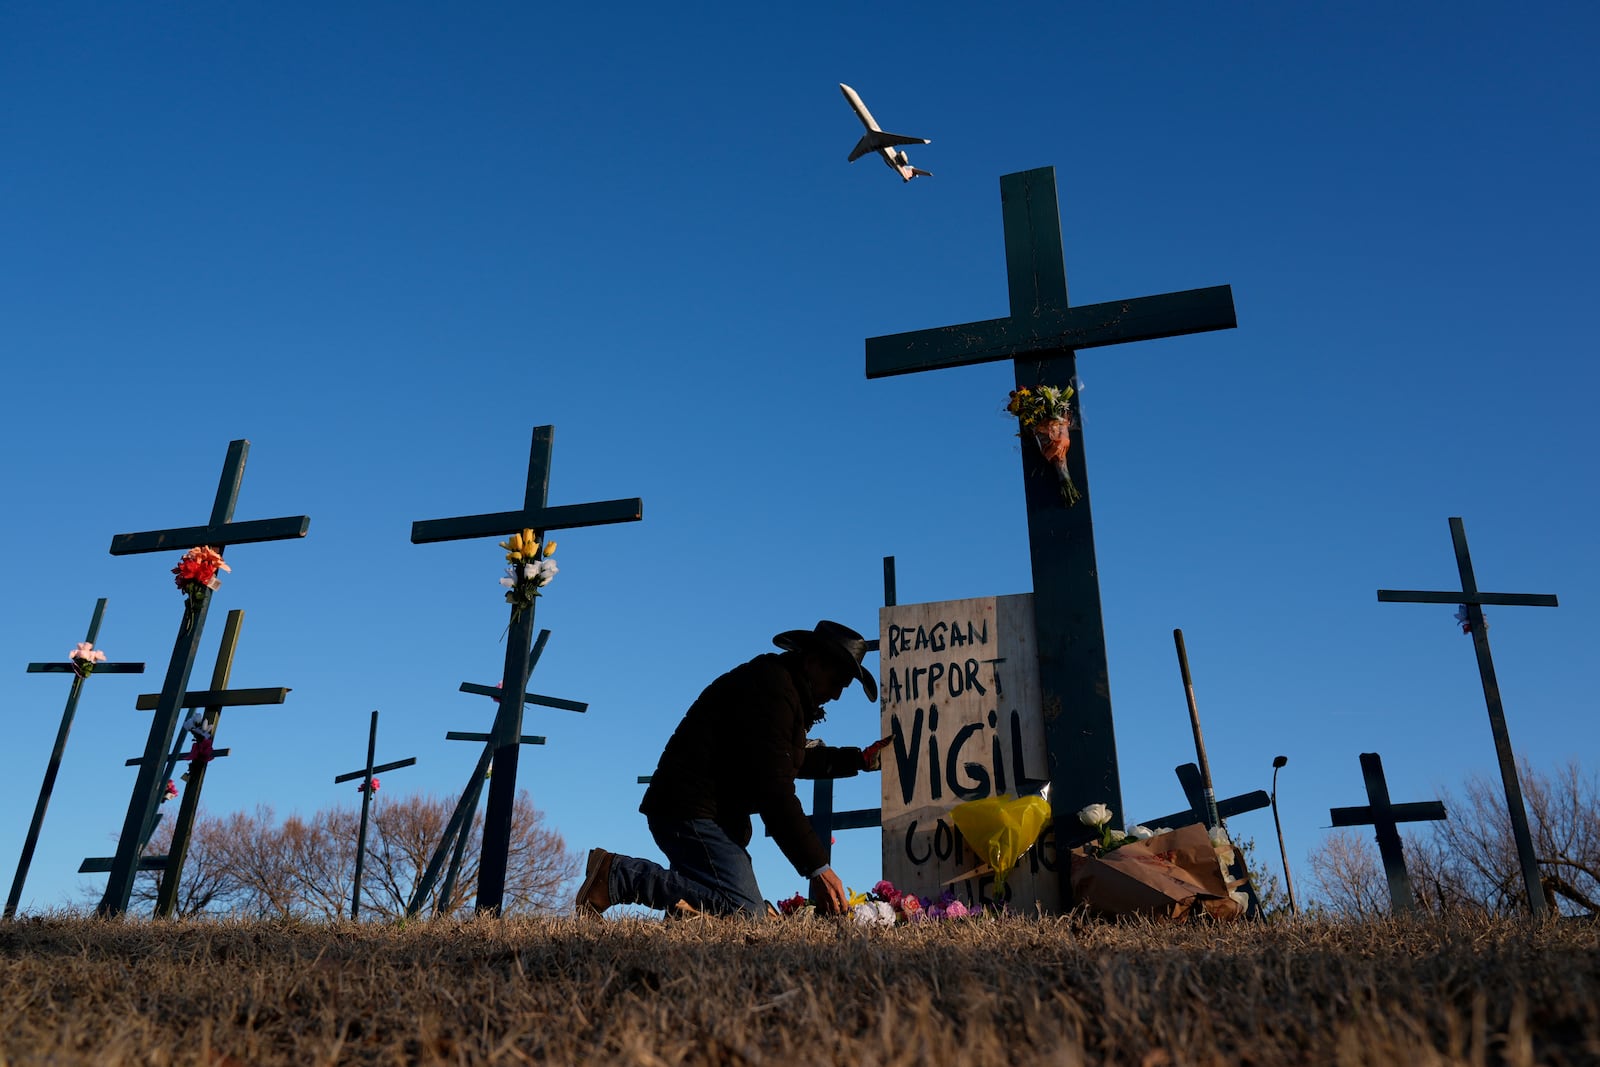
1041	337
1473	601
454	839
1385	816
54	765
220	532
367	789
1195	792
538	516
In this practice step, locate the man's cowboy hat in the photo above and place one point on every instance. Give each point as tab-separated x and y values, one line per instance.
834	639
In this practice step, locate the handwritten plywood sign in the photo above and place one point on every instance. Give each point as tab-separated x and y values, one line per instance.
959	694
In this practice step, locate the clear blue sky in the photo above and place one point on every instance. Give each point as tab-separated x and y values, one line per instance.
382	242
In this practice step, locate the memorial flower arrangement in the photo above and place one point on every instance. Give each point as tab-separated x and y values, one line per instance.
84	657
1098	818
1465	620
884	905
196	578
169	792
1045	414
362	788
529	569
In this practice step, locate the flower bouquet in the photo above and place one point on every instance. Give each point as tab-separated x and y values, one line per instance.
1171	874
1045	413
884	905
362	788
196	578
84	657
529	569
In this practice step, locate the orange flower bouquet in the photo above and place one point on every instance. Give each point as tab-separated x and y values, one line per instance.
1045	413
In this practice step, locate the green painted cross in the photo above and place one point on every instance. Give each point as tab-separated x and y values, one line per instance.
1041	337
210	703
220	532
1473	602
1385	817
368	787
538	516
454	839
54	766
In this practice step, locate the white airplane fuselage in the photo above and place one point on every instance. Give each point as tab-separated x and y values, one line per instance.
884	144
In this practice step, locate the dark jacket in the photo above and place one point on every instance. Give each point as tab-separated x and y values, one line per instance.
737	753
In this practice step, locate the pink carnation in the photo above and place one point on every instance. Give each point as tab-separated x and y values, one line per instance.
956	910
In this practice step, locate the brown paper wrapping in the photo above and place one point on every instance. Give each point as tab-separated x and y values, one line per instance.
1170	876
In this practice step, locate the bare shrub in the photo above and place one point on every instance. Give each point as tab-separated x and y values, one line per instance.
248	865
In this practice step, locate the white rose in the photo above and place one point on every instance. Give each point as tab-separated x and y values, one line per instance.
1095	815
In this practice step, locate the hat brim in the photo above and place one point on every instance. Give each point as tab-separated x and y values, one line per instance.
804	640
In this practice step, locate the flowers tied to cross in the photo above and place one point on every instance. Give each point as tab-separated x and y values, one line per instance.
362	788
202	730
84	657
169	792
1045	413
1465	620
196	578
529	569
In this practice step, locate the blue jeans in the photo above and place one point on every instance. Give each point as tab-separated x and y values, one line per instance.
709	871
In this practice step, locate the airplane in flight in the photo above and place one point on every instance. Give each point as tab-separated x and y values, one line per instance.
876	140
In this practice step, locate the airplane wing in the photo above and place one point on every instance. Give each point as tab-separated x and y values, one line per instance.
876	139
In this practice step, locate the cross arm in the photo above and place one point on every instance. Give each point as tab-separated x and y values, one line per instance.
563	517
1421	811
217	698
527	698
1086	326
1226	809
216	753
99	668
1418	596
227	533
102	864
459	735
379	769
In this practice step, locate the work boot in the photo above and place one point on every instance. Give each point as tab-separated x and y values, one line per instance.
594	895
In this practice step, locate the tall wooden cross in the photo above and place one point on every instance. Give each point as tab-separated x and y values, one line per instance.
368	786
209	703
1384	817
537	515
213	700
459	828
1473	601
54	766
220	532
1041	337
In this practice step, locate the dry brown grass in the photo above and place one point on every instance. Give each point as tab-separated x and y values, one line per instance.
803	991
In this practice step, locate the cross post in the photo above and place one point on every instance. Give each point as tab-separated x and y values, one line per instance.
1384	817
367	788
220	532
1471	599
53	767
1041	338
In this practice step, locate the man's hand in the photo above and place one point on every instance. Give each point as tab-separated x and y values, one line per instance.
827	892
872	755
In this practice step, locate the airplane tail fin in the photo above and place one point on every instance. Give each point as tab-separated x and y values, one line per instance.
876	139
917	173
